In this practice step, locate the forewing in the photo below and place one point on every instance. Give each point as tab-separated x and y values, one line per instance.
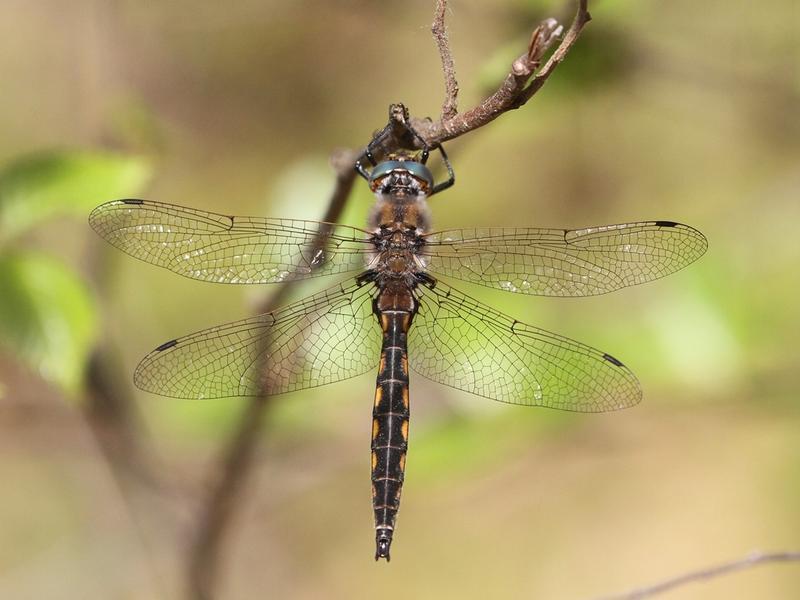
562	262
225	249
460	342
321	339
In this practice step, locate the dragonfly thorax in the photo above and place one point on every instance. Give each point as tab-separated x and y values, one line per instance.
401	190
396	249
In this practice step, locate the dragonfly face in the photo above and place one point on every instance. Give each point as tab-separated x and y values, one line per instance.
394	315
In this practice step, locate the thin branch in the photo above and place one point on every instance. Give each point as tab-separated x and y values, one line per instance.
748	562
237	458
518	86
205	553
112	416
439	31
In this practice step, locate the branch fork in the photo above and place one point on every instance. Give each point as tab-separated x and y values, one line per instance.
541	39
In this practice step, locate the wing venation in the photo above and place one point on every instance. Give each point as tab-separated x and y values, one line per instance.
226	249
457	341
562	262
324	338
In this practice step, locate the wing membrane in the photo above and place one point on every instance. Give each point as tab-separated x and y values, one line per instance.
321	339
219	248
457	341
562	262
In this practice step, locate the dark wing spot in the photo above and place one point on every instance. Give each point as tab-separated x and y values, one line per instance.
666	224
613	360
132	201
166	346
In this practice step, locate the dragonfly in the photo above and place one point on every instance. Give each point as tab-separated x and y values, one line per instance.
393	312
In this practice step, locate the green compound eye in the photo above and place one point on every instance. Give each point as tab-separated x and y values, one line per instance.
413	168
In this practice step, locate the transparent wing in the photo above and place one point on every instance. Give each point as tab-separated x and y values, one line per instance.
460	342
561	262
323	338
224	249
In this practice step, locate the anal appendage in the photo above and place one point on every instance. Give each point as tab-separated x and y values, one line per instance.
383	541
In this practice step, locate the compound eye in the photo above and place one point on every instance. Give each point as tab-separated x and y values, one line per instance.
382	170
421	173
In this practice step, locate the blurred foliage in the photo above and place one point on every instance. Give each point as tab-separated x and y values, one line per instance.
48	185
47	316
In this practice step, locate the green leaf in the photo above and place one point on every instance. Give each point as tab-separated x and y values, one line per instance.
51	184
46	317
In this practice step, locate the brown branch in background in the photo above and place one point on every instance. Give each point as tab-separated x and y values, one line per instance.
216	513
111	413
235	465
748	562
439	31
342	162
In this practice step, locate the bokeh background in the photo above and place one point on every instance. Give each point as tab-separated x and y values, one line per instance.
676	110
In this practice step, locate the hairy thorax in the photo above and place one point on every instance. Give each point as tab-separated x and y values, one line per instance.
398	222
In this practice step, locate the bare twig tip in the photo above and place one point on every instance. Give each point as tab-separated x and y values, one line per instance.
542	38
439	30
751	560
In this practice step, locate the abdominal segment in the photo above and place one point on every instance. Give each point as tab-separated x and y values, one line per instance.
390	427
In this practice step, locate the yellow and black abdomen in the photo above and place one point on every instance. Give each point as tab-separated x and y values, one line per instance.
390	426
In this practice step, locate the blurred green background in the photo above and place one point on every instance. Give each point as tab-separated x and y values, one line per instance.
674	110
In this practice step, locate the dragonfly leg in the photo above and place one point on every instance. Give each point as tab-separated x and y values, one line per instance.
451	176
369	156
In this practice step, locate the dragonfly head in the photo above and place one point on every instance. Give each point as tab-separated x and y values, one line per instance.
401	174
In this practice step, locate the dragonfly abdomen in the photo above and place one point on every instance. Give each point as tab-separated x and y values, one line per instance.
390	426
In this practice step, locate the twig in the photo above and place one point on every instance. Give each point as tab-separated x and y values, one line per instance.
235	466
217	512
518	87
111	413
748	562
215	516
439	31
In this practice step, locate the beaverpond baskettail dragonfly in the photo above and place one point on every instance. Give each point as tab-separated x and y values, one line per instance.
394	314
